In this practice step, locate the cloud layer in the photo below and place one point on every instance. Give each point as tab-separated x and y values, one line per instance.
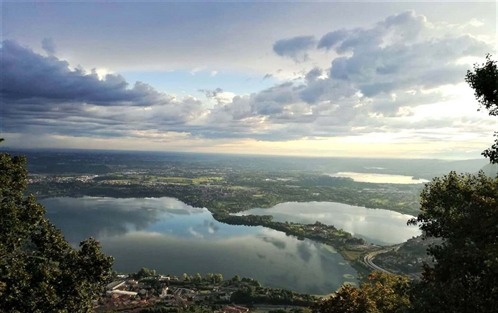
377	78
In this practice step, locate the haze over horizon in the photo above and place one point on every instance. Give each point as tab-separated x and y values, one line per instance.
307	79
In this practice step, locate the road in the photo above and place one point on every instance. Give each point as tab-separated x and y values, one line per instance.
368	259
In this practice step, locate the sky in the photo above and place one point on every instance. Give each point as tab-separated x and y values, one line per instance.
345	79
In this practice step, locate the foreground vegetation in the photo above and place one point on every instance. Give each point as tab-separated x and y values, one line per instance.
39	270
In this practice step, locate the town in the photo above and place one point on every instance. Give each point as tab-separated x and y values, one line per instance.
146	291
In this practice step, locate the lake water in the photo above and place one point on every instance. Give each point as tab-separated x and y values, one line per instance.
382	227
379	178
174	238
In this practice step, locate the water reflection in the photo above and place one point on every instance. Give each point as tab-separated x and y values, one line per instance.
277	243
85	217
380	178
304	252
174	238
378	226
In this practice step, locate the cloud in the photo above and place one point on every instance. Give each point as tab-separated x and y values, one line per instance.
27	75
404	27
49	46
268	75
376	78
407	25
332	39
198	69
211	93
384	71
427	64
313	74
295	48
218	96
45	94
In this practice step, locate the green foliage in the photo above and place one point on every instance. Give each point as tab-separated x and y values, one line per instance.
217	278
250	292
492	152
463	210
39	270
197	278
382	293
209	277
244	294
144	273
484	81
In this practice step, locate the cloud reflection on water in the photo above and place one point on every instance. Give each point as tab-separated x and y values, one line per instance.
375	225
171	237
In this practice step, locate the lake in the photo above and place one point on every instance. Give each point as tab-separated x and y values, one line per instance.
378	226
379	178
174	238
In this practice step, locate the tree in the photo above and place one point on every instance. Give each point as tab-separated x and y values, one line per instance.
197	278
463	210
484	81
218	278
382	293
39	270
244	294
185	277
209	277
144	273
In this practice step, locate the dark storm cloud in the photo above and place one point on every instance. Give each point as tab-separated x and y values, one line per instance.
295	48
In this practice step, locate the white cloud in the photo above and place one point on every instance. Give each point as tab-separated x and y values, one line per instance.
396	74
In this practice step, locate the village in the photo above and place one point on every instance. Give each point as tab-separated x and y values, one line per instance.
147	292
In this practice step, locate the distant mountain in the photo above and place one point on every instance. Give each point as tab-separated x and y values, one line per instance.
491	170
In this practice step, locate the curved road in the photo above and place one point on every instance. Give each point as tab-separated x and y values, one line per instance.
368	259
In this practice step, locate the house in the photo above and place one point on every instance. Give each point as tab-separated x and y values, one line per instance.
115	285
114	293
